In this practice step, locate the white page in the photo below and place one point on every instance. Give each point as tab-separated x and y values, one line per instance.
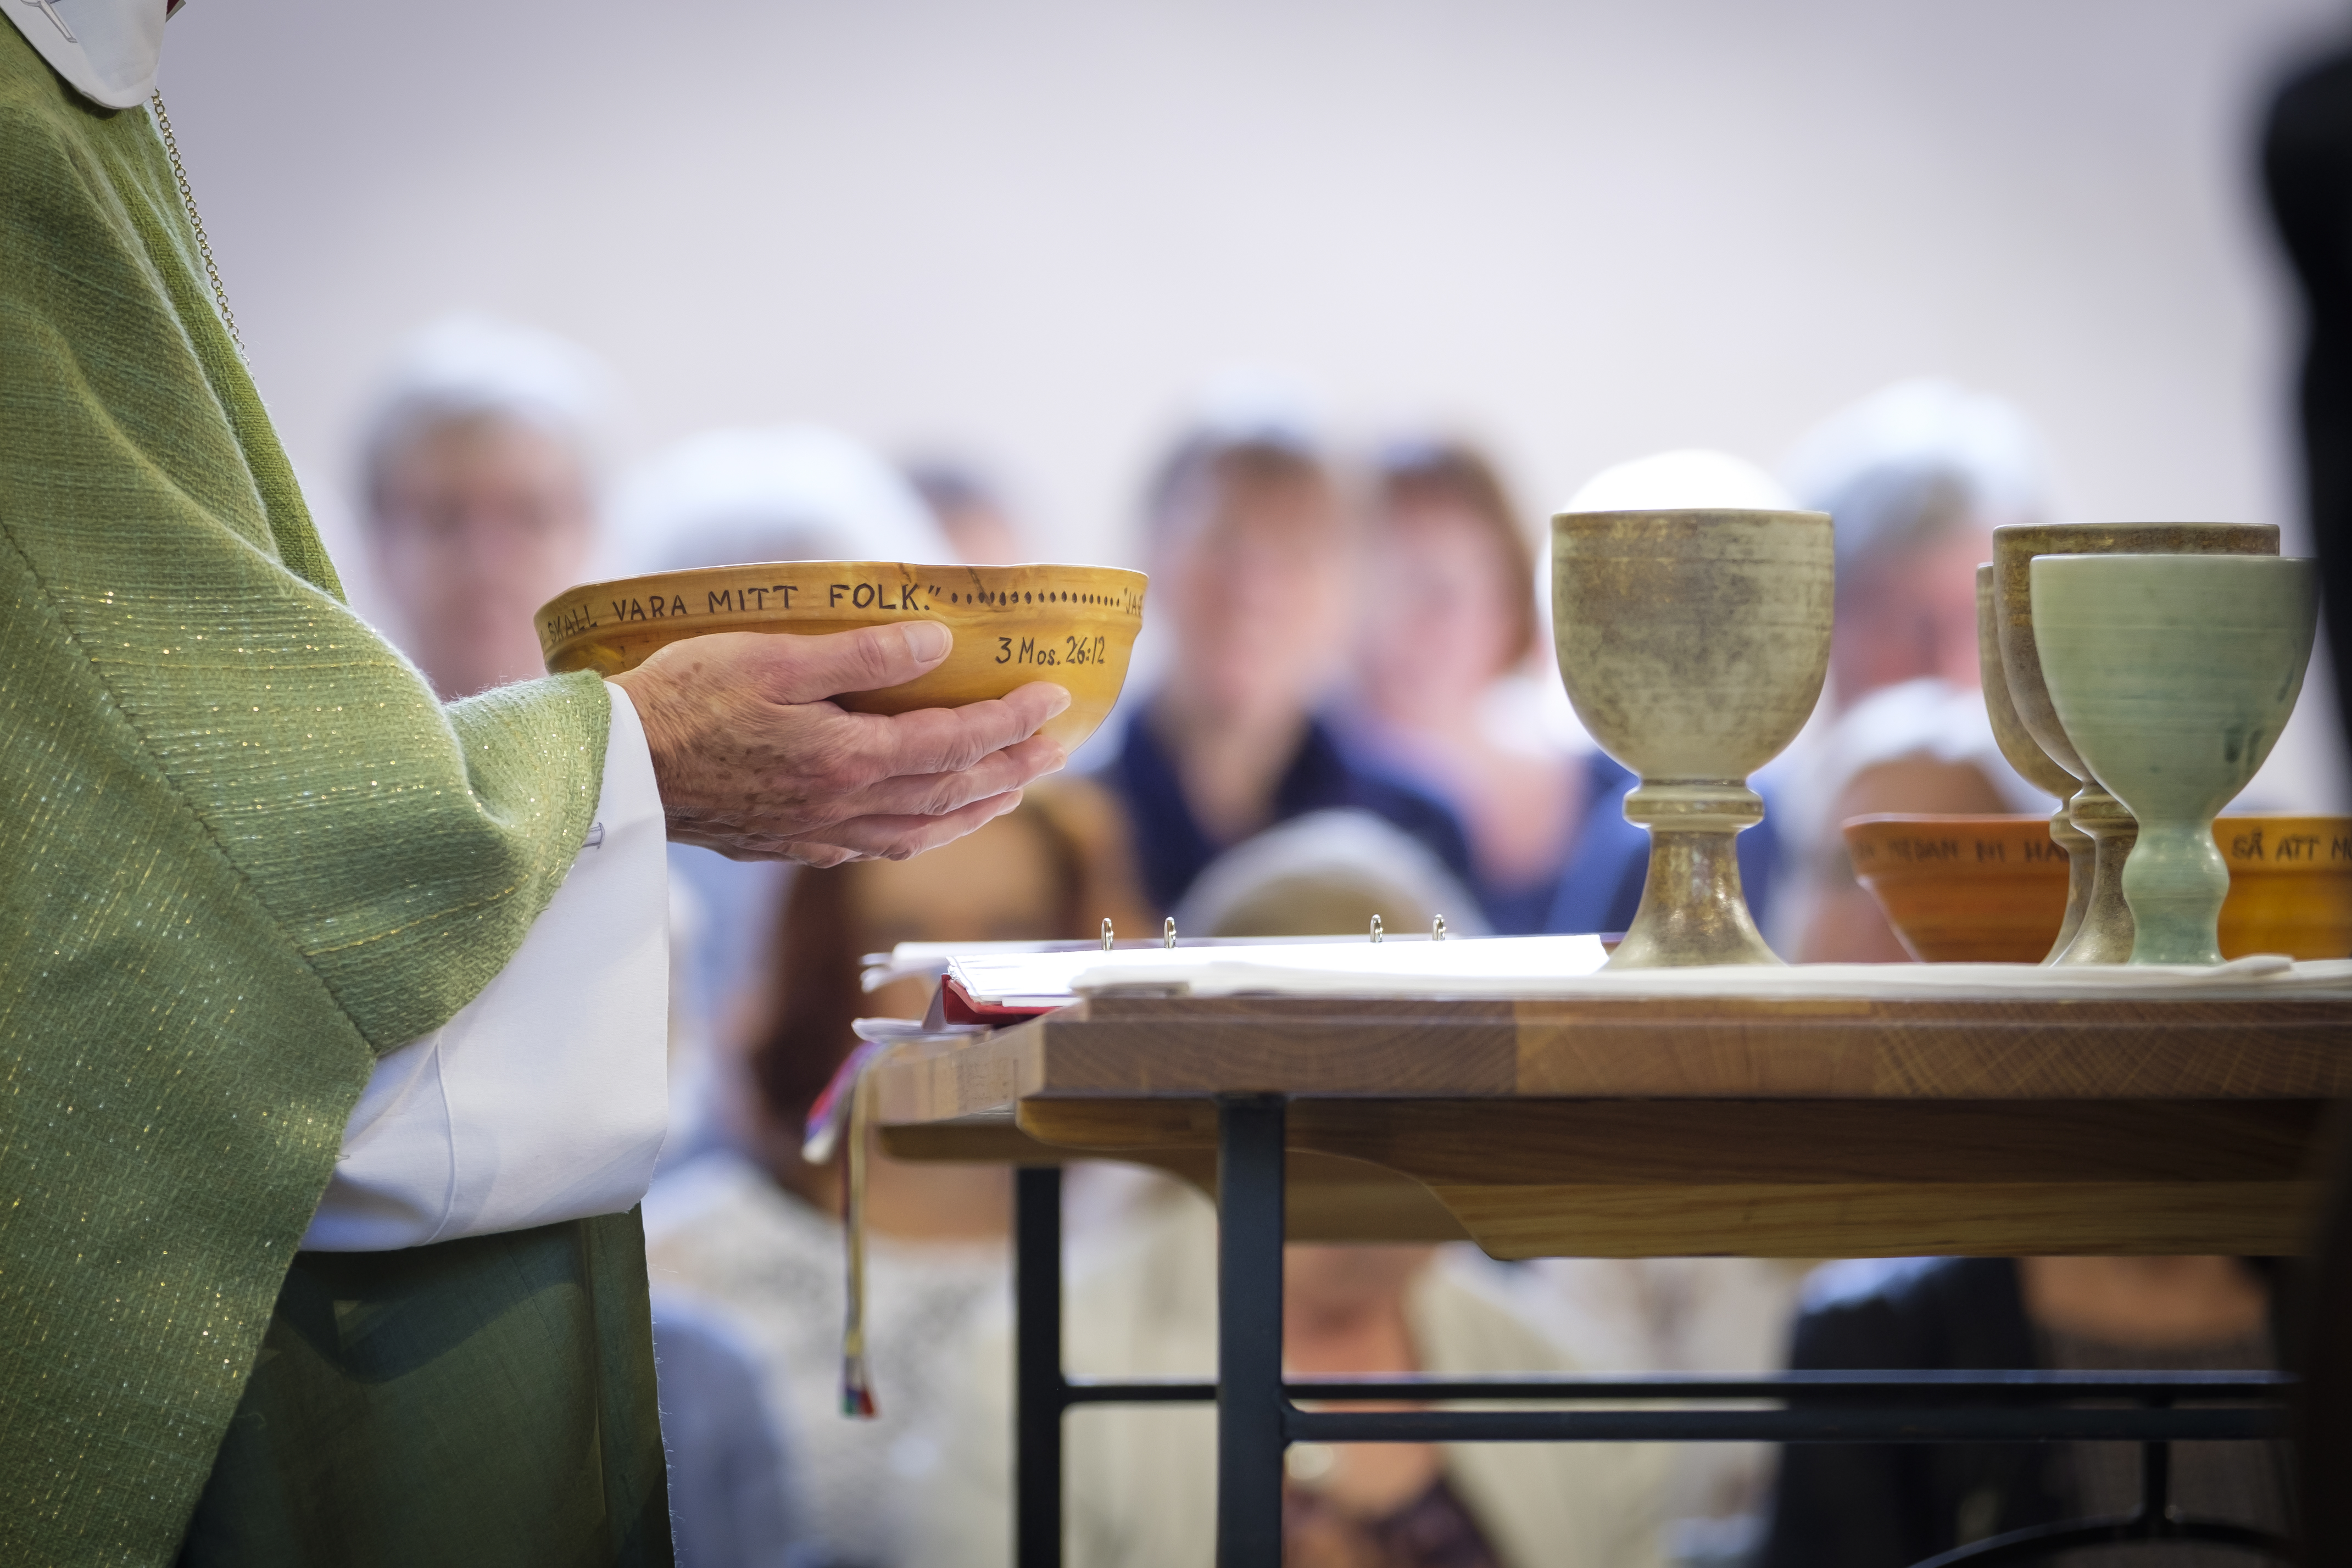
1026	979
1570	966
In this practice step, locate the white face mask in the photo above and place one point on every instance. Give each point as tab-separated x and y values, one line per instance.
106	48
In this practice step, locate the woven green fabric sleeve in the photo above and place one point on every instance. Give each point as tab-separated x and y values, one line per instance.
242	848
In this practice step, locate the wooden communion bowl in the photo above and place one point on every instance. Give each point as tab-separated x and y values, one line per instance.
1073	625
1964	890
1991	890
2290	885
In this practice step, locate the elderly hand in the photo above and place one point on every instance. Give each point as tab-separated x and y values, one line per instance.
755	761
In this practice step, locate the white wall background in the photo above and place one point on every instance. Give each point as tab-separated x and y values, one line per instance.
1030	229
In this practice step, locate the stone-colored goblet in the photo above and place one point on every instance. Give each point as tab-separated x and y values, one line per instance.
2035	765
2105	934
1694	644
2173	675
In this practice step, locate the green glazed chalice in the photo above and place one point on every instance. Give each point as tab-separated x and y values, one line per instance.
2173	675
2103	935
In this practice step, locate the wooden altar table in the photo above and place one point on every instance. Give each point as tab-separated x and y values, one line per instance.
1635	1128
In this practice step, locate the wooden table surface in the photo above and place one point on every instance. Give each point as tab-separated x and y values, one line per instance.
1783	1128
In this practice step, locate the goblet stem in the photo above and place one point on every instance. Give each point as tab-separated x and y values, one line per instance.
1693	910
2104	935
2175	881
2082	859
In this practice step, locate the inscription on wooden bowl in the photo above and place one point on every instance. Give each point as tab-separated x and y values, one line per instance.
1993	889
2290	885
1964	890
1073	625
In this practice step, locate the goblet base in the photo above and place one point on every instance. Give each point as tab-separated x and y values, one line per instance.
2082	870
2175	881
1692	909
2104	935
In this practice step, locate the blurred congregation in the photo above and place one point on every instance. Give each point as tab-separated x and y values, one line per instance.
1348	709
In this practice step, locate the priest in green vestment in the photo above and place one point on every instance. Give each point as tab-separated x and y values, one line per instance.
289	1270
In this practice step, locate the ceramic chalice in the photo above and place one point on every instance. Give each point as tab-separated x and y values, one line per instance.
1694	644
2033	765
2104	935
2173	675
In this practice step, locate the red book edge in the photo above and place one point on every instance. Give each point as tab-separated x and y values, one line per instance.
956	1006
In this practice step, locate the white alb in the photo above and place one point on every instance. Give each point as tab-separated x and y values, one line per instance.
547	1097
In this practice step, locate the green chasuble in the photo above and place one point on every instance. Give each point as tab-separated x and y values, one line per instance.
244	852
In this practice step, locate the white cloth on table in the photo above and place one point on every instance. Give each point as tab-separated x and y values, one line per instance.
546	1098
1570	969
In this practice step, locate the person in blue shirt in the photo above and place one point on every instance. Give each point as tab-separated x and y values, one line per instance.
1255	582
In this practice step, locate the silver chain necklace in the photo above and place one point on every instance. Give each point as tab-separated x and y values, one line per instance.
188	206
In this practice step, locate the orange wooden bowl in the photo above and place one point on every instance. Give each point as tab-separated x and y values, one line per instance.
1993	889
2290	885
1964	890
1073	625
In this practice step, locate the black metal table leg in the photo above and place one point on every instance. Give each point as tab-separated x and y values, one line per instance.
1040	1392
1255	1419
1250	1398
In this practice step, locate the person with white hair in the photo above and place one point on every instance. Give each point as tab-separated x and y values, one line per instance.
478	466
1915	477
1328	872
794	492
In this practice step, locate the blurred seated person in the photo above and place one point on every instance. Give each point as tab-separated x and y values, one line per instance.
751	1232
1140	1489
1450	611
1252	557
970	511
1142	1482
1327	874
731	1474
479	467
792	492
1916	477
1722	1315
1890	1505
